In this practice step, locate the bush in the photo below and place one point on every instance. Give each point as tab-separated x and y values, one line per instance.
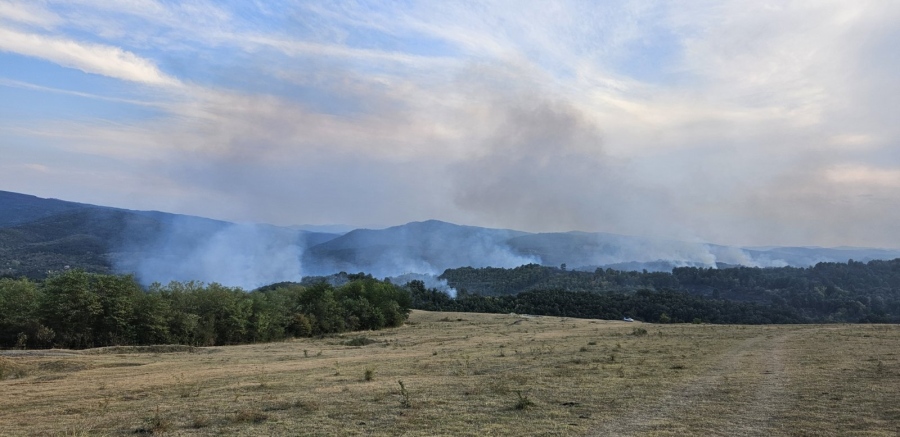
359	341
523	403
250	416
404	396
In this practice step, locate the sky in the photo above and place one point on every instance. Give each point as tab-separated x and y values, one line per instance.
734	122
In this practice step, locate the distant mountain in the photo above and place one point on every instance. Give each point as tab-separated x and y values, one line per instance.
326	229
16	209
418	247
807	256
40	235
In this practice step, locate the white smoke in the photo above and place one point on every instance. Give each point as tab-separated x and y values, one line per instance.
238	255
430	281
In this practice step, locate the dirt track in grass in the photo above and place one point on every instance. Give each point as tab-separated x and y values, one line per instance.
740	392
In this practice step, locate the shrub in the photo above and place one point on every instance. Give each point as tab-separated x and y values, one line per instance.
359	341
404	396
155	424
250	416
11	369
522	401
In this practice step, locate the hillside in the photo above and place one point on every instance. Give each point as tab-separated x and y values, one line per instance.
417	247
40	235
16	209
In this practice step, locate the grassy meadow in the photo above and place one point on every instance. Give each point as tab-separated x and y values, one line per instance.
474	374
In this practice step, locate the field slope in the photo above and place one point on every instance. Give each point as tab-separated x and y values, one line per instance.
475	374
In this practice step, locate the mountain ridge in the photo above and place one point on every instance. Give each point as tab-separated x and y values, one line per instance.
41	235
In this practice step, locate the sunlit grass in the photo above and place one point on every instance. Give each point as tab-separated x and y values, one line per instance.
476	374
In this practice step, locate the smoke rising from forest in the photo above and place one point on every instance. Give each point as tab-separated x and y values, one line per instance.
241	255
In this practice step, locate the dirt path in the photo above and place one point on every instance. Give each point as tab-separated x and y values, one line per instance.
741	393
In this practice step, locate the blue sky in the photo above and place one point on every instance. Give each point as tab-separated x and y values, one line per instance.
737	122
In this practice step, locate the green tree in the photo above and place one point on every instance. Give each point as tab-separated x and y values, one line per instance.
70	308
117	296
19	319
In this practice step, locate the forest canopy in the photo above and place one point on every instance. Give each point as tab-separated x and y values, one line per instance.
76	309
849	292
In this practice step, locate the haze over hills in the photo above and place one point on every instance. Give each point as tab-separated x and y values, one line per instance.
40	235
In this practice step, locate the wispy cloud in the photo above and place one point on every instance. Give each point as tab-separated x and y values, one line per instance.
90	58
27	12
735	122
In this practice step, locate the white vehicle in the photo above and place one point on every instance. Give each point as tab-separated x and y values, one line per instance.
628	319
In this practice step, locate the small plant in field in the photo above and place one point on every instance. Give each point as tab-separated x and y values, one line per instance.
155	424
583	349
103	406
10	369
522	401
498	386
307	406
359	341
200	422
404	395
250	416
465	366
186	390
305	353
592	343
369	374
638	332
262	378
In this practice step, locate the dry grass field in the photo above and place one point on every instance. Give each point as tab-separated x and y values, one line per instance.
475	374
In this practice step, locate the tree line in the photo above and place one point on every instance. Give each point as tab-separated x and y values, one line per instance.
645	305
826	292
76	309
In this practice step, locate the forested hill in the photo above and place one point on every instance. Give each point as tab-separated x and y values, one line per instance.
826	292
39	236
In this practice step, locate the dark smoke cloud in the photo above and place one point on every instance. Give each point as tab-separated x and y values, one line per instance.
544	168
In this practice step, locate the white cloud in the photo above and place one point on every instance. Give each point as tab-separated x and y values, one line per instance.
740	126
861	176
90	58
27	12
